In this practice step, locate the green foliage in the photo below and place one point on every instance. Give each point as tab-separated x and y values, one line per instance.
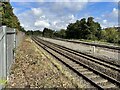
72	31
30	32
22	29
8	17
3	82
83	29
111	35
37	32
89	30
60	34
102	35
48	33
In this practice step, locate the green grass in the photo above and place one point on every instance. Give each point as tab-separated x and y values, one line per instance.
3	82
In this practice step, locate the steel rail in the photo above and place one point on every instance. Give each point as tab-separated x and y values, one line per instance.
91	44
71	68
95	71
88	56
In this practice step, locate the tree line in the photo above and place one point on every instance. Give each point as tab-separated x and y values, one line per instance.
83	29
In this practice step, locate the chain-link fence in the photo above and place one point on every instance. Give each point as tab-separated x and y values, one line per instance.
7	47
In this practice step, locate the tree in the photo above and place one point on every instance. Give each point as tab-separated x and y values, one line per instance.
48	33
36	32
98	31
22	29
8	17
60	34
30	32
112	35
94	28
70	32
83	30
102	35
118	36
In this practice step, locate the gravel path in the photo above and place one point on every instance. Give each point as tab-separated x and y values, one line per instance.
99	52
32	69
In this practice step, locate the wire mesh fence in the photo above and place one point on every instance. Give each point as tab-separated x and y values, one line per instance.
8	41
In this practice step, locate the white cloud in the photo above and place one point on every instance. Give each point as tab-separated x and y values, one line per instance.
64	0
109	19
112	15
115	12
39	18
27	19
42	17
97	18
103	0
54	23
71	6
22	25
104	21
37	11
39	0
107	23
42	24
15	10
56	17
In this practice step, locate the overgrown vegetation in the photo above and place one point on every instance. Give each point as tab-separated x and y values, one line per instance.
8	17
111	35
37	32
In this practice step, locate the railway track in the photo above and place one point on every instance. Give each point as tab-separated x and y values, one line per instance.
88	56
107	60
115	48
96	72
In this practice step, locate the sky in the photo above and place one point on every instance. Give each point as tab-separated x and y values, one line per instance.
56	15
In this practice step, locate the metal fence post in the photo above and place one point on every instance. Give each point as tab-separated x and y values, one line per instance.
5	54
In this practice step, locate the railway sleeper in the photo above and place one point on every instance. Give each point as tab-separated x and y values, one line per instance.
102	69
86	72
102	82
83	70
92	76
99	80
80	67
108	85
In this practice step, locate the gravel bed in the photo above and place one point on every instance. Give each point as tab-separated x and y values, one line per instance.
99	52
32	69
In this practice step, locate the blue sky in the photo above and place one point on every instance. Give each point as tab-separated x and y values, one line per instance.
57	15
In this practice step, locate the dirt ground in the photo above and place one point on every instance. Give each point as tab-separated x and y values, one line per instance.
32	69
